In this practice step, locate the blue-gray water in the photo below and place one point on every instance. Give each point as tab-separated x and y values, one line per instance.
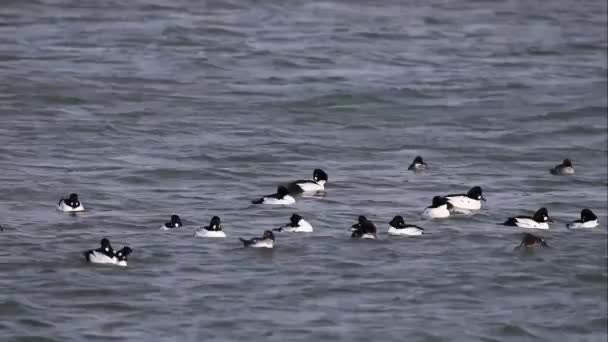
149	108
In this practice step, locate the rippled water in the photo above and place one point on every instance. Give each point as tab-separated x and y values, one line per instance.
149	108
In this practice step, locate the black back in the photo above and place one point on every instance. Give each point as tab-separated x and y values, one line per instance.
530	240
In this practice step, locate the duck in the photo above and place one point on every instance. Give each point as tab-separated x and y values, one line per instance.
266	241
106	255
587	220
439	209
296	224
213	230
565	168
530	240
417	165
363	229
540	220
175	222
70	205
316	184
398	227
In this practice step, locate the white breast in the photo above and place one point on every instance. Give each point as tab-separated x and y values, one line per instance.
67	209
303	227
266	243
368	236
100	258
530	223
286	200
439	212
463	202
583	225
568	170
210	234
311	187
404	231
163	227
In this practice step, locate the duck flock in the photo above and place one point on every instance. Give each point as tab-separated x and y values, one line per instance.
442	207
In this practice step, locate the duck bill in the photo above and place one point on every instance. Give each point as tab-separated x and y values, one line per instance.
483	198
549	219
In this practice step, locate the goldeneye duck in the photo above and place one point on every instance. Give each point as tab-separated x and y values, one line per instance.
439	209
530	240
587	220
280	197
70	204
417	165
397	226
266	241
296	225
175	222
106	255
317	183
469	201
565	168
213	230
540	220
363	229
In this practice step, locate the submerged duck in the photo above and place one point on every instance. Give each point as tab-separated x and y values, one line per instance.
530	240
565	168
175	222
417	165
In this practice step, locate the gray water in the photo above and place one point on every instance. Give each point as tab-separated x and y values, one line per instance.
149	108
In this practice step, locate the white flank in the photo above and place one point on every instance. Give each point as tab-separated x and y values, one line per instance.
210	234
439	212
67	209
530	223
583	225
412	231
463	202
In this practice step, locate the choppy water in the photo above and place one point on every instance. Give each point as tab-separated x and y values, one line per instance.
148	108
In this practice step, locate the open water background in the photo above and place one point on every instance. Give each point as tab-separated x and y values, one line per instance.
149	108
